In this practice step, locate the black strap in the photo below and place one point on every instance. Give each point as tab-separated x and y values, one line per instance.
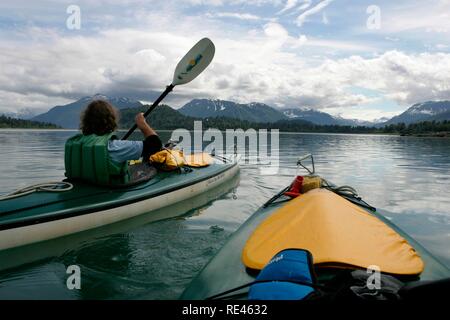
152	144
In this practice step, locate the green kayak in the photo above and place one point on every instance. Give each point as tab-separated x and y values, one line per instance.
42	216
344	235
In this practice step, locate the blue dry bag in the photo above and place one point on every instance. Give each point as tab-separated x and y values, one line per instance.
283	272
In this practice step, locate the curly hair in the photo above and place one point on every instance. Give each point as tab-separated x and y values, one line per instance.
99	118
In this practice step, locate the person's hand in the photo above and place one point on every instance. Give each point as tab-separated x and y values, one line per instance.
143	125
140	120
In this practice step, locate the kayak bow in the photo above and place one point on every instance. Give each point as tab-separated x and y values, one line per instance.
341	231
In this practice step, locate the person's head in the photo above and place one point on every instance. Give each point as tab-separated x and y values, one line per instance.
99	118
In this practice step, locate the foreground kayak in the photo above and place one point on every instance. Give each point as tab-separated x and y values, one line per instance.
18	256
43	216
342	233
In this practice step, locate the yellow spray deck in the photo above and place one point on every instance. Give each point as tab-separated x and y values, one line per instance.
336	232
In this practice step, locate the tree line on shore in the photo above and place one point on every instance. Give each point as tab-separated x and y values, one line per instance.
9	122
166	118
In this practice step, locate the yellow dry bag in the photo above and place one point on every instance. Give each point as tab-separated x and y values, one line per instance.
168	160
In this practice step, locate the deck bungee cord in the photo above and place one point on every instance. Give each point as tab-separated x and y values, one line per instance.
57	186
349	193
345	191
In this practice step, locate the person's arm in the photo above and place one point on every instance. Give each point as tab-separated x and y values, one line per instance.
123	150
143	126
152	143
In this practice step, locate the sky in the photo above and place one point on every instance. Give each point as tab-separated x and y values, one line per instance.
355	59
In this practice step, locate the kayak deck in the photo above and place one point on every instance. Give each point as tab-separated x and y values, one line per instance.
226	270
337	233
85	198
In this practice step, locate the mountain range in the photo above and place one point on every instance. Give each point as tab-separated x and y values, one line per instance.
24	113
323	118
68	116
259	112
425	111
209	108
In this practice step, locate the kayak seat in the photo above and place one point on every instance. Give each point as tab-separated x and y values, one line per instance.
288	276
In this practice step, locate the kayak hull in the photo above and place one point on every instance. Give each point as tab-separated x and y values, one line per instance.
226	270
18	256
113	207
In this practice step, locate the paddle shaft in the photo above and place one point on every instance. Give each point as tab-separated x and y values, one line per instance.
153	106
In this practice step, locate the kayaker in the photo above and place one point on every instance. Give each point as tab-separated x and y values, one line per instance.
100	118
97	155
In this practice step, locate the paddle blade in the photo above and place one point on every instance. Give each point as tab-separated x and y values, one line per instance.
194	62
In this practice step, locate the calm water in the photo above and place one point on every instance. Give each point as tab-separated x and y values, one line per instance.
407	176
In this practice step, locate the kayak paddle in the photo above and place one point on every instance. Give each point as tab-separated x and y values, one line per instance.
192	64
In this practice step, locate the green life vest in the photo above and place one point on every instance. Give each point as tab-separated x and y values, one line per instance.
86	157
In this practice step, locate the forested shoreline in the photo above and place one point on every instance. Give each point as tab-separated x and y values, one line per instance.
166	118
8	122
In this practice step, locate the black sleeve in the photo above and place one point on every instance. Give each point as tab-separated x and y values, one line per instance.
152	144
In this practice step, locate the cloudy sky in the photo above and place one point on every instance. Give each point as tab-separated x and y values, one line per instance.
358	59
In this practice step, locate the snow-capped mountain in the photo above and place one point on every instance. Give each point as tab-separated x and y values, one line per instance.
360	123
25	113
253	112
323	118
260	112
68	116
425	111
311	115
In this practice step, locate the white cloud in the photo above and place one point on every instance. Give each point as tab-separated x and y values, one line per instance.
305	5
280	36
206	2
339	45
13	102
264	64
276	30
301	41
407	79
233	2
240	16
441	46
317	8
249	67
361	113
393	39
431	17
288	6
